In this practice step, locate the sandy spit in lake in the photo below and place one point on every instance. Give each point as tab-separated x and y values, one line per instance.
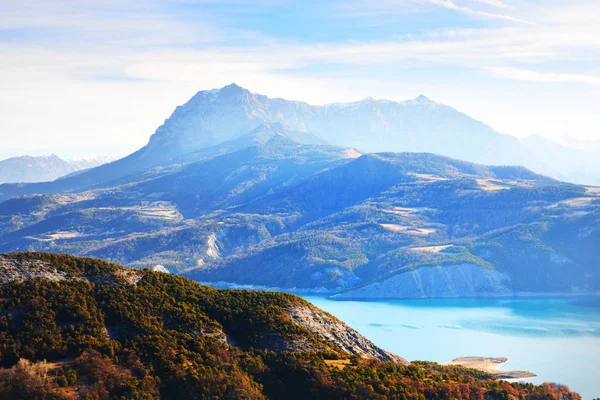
490	365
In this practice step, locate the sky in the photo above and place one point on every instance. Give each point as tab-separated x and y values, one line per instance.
97	77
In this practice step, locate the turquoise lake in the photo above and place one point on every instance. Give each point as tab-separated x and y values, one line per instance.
557	339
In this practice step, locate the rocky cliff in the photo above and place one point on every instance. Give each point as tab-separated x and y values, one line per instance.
463	280
339	334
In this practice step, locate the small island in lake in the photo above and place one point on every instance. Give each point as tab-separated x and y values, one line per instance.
490	365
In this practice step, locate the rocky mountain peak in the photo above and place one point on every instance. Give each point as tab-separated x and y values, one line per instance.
422	100
232	88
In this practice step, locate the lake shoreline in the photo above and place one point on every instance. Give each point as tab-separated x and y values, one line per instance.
490	366
556	338
508	296
332	294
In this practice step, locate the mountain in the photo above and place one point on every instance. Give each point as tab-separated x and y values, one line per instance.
87	329
410	225
239	189
214	117
132	167
557	155
44	168
264	211
419	125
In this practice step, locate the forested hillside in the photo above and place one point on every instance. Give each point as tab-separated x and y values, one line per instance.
83	328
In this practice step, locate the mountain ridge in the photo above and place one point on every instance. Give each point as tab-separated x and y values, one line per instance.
277	213
216	116
24	267
368	125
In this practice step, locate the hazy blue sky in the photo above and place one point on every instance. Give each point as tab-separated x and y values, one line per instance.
96	77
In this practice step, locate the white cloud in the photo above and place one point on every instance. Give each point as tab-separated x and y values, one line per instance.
449	4
385	7
495	3
544	77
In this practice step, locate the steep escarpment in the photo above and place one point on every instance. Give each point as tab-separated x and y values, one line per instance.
463	280
75	327
339	334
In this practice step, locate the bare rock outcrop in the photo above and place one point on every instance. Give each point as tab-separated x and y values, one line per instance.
298	344
21	270
339	334
13	270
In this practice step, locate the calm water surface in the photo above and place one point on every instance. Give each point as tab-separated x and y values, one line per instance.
557	339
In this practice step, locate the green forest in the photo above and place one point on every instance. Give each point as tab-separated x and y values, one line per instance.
105	332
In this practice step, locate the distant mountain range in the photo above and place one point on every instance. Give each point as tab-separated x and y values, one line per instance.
419	125
224	197
212	117
44	168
